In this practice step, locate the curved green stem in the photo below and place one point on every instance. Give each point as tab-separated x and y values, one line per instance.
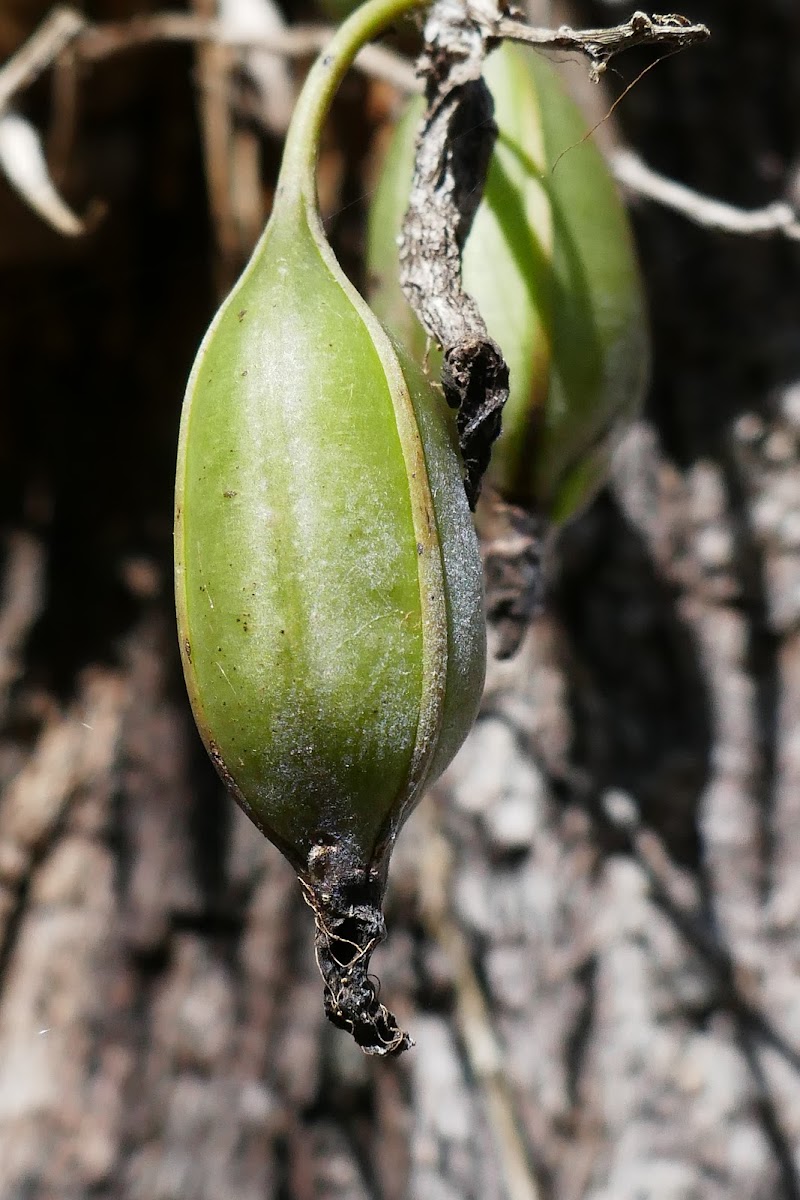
298	169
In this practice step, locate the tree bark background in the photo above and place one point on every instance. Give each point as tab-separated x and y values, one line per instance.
595	919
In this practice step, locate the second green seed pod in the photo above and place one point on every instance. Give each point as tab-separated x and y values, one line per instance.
552	265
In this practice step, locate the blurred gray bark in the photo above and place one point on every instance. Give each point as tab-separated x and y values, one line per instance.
594	920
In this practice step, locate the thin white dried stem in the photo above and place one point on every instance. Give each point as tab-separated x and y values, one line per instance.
23	163
37	54
299	41
22	157
214	62
64	97
481	1045
268	73
637	177
93	42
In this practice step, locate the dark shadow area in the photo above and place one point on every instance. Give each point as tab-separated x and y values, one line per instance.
639	701
95	343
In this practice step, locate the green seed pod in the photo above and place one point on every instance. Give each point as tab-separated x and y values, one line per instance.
551	263
328	582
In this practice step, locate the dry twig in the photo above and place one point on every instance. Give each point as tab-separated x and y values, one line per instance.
39	52
92	43
65	28
482	1047
214	64
65	32
601	45
454	147
23	163
635	175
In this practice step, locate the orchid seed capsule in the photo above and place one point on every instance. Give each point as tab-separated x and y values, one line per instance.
551	263
328	581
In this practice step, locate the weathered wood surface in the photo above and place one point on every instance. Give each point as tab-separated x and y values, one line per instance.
595	920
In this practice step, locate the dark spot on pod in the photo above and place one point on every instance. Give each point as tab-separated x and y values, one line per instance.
327	60
187	646
420	548
241	314
229	493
